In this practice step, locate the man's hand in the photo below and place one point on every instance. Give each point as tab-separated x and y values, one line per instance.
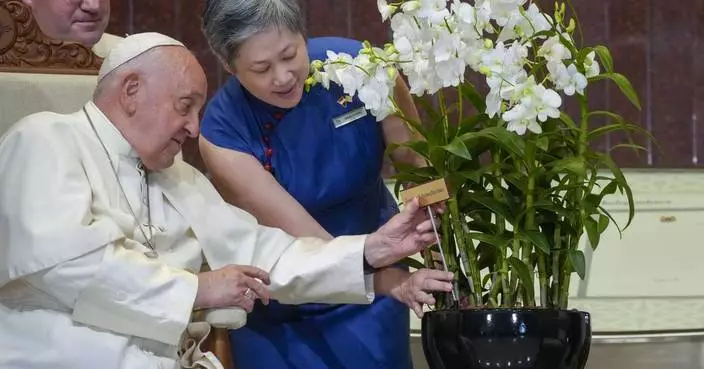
414	291
232	285
403	235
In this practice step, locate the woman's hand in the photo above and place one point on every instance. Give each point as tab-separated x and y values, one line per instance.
415	290
232	285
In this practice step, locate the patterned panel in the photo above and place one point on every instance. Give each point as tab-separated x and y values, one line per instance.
671	50
628	27
329	17
366	23
696	73
24	48
146	19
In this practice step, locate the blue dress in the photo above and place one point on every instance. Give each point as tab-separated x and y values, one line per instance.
328	155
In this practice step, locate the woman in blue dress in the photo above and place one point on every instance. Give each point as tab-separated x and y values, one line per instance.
308	162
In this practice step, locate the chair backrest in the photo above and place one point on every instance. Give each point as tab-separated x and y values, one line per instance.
38	73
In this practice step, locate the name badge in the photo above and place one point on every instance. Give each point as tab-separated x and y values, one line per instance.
349	117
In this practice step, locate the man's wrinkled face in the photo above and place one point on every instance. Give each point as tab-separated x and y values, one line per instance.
81	21
273	66
168	108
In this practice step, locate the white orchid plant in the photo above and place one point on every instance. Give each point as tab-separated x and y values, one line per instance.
525	183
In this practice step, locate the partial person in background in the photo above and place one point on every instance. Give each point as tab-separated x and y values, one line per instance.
82	21
310	163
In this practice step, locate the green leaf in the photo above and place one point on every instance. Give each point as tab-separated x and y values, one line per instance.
472	175
490	239
413	263
623	84
592	229
620	123
573	164
469	123
402	167
568	120
622	183
518	180
543	143
496	206
487	278
609	189
628	146
616	127
419	147
410	178
611	218
577	261
539	240
604	55
524	274
507	140
603	223
458	148
469	92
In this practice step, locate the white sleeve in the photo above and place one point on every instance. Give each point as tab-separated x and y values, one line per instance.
313	270
123	291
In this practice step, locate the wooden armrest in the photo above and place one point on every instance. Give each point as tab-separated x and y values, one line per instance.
219	344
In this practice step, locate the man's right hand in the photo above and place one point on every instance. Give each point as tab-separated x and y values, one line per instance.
232	285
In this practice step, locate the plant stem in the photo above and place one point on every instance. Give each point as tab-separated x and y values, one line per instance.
459	108
501	266
514	287
446	230
565	277
530	216
443	112
460	237
555	290
566	268
584	124
543	279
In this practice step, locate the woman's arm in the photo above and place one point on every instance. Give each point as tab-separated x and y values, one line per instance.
396	131
243	182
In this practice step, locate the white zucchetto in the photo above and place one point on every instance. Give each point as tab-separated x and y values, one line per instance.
133	46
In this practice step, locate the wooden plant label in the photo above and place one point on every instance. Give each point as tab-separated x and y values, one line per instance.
427	193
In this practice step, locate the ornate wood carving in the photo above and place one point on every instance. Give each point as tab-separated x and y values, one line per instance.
24	48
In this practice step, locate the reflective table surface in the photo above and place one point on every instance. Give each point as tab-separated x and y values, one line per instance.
676	350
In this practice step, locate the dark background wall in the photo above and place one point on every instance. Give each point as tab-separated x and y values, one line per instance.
655	43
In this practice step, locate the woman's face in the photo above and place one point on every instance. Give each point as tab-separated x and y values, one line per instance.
273	66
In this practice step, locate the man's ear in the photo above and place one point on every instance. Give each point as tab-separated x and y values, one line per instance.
129	93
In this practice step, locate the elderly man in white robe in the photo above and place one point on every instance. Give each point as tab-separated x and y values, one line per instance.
102	231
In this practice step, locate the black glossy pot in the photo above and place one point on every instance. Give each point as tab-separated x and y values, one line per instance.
506	339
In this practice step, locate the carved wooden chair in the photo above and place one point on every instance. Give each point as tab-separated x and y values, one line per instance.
39	74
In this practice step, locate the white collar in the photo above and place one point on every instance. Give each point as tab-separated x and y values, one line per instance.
111	137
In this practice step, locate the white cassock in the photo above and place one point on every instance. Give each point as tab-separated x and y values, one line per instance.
77	291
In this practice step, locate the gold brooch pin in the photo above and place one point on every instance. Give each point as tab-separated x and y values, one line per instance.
344	100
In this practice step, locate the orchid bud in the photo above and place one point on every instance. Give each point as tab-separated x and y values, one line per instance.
392	73
488	43
390	49
571	26
485	70
317	64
